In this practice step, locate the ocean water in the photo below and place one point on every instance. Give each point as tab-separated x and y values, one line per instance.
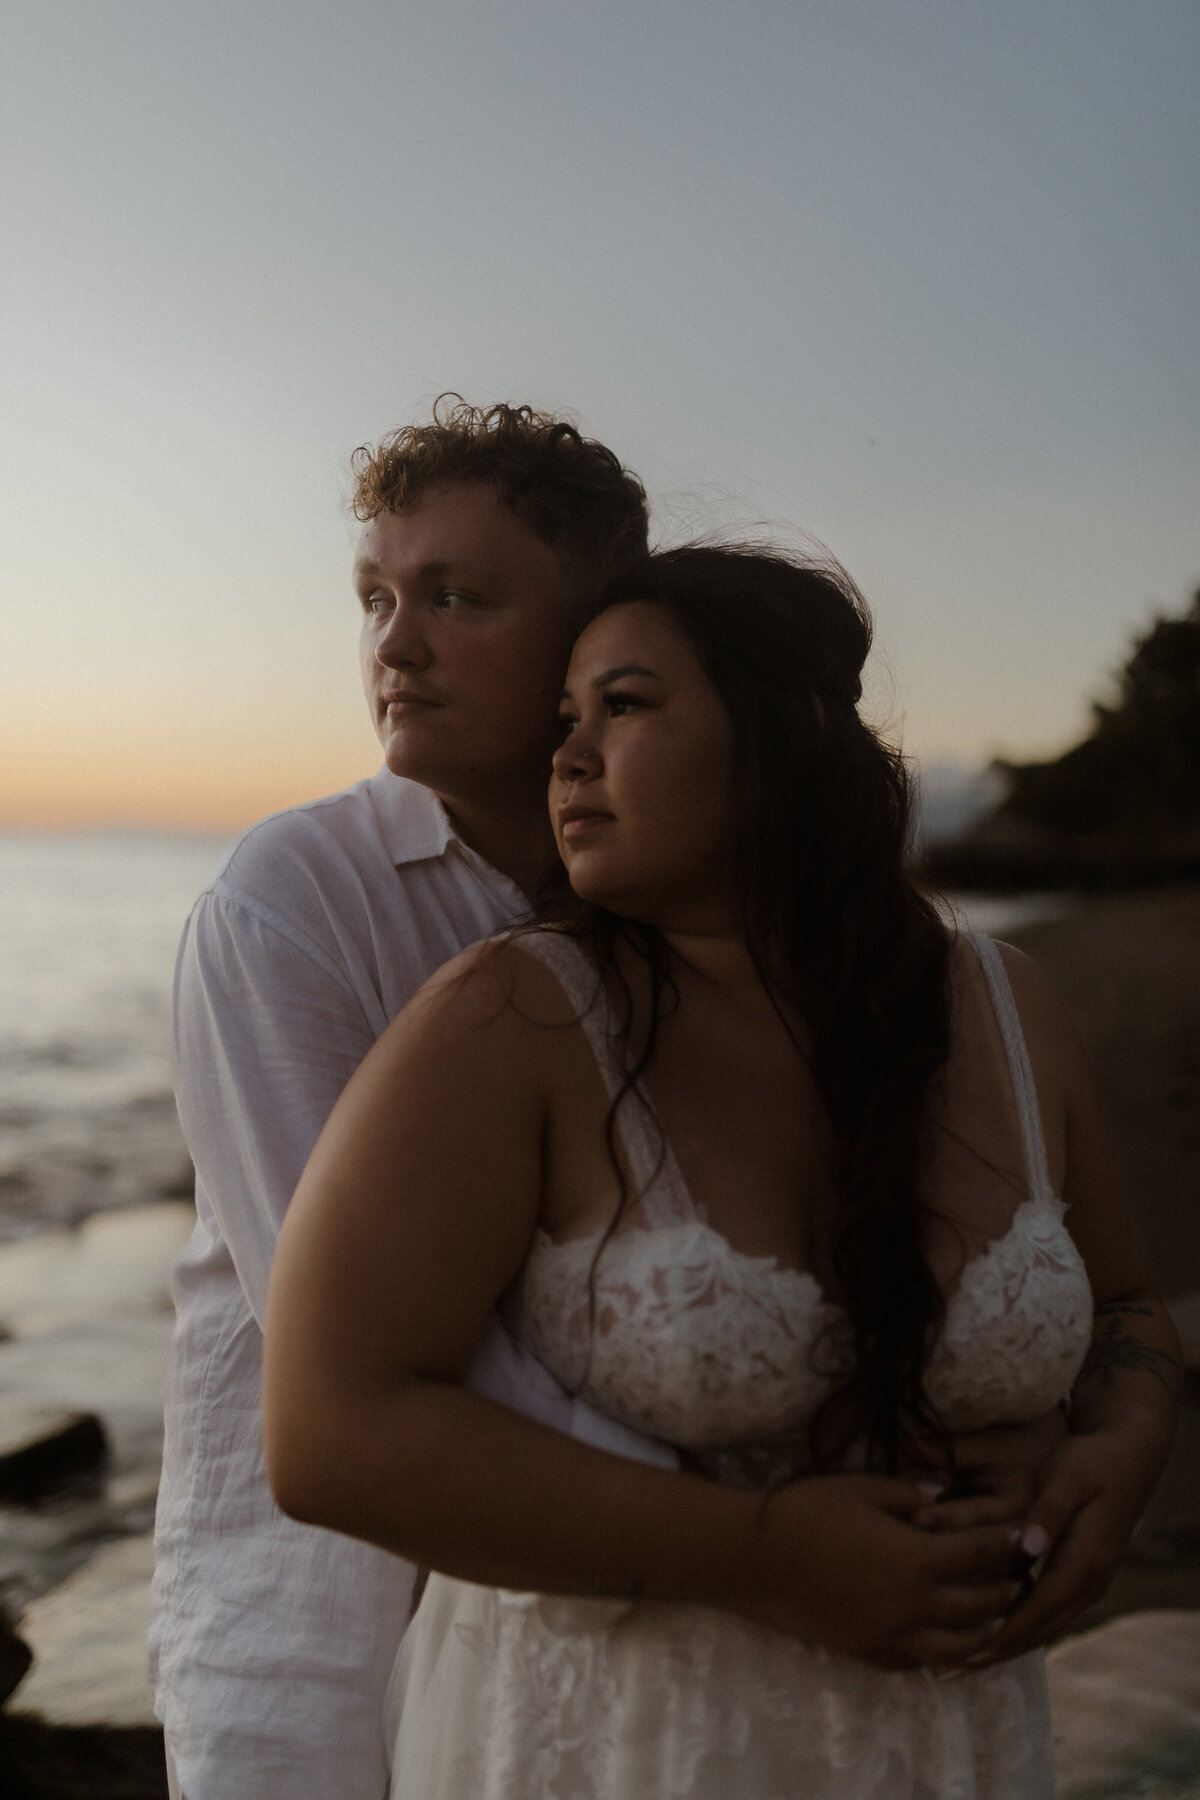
89	925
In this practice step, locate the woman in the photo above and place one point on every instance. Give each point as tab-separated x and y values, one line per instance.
762	1161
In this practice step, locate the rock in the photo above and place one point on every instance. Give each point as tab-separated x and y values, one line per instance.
1125	1701
115	1368
40	1546
83	1762
88	1639
15	1658
91	1333
44	1450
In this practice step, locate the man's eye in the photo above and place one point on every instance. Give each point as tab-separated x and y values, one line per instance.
377	605
450	599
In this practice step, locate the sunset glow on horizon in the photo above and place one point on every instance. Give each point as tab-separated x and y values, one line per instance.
918	283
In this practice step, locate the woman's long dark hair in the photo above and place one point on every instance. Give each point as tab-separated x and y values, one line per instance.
837	930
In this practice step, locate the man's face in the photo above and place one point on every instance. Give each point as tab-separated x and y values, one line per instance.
463	644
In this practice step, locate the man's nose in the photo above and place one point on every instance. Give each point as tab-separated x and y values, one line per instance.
404	642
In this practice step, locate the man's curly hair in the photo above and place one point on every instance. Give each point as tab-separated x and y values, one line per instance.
571	491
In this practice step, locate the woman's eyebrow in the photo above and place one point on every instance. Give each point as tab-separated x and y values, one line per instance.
623	669
599	681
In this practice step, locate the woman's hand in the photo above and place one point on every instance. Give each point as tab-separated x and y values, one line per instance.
841	1562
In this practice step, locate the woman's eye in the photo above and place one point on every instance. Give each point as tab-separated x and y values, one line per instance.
566	724
450	599
377	605
617	703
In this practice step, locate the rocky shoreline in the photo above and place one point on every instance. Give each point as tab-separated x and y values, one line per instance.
85	1327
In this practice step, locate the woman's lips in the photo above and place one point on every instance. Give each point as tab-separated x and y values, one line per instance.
575	821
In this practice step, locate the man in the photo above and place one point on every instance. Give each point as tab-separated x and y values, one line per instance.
271	1643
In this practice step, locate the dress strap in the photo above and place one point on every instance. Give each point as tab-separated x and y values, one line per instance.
1019	1065
658	1183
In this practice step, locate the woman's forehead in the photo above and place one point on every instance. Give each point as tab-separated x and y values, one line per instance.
635	631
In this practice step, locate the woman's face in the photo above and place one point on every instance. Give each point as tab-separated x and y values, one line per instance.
641	794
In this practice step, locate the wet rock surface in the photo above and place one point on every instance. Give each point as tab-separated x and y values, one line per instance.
88	1638
62	1168
88	1332
83	1362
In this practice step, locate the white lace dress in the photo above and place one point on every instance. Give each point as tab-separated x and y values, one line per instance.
516	1696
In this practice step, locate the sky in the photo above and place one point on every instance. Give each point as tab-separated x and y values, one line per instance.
915	280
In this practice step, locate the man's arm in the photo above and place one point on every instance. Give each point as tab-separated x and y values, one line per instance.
268	1032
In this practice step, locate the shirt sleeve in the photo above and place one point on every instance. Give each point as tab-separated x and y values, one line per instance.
268	1031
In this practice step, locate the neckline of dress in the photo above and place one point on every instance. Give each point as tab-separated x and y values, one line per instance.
569	960
770	1264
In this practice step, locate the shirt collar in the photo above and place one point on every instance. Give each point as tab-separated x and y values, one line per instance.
412	820
414	825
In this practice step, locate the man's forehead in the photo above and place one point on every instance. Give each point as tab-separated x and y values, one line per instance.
465	529
365	565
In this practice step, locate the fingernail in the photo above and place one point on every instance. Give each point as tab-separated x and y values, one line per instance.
931	1490
1035	1540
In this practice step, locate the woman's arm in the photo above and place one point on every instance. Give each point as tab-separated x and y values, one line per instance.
414	1215
1126	1400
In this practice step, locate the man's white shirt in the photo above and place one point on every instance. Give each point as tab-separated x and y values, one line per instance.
271	1643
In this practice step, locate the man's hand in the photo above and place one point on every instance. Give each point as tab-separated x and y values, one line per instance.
842	1563
1008	1460
1093	1495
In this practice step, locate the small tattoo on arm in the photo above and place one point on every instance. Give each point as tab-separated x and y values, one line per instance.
1114	1351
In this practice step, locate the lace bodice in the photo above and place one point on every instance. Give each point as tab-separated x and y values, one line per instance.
684	1338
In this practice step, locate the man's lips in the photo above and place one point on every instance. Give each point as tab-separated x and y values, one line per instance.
402	700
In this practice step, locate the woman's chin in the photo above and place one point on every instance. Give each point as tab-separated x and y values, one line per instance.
599	886
596	893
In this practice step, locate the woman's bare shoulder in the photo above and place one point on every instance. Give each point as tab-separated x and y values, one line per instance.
1032	988
1046	1023
499	983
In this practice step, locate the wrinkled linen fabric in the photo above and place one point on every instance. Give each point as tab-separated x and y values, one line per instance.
271	1643
499	1695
